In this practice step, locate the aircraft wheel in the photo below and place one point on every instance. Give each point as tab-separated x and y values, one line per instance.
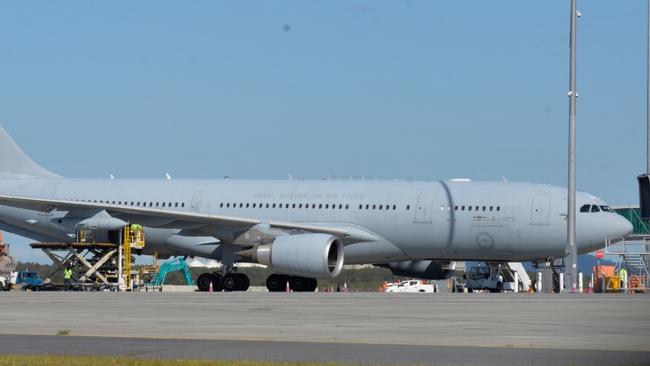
216	282
499	287
312	285
230	282
301	284
203	282
276	283
244	282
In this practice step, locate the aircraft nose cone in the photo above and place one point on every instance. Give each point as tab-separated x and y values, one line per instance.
623	227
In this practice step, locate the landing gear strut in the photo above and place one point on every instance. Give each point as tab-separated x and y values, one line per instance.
278	283
228	282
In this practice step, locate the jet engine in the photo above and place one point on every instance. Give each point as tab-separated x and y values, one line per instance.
423	269
307	255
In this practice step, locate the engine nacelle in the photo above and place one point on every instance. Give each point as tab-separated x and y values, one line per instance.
306	255
423	269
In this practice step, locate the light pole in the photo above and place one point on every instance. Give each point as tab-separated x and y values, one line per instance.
570	263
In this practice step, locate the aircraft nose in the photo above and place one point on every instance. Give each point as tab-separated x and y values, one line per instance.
621	226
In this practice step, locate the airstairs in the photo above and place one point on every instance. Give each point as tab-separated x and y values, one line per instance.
518	268
634	255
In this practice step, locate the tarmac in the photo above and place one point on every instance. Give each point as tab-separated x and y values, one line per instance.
379	328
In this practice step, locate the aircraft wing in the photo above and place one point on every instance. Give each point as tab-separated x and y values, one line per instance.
222	227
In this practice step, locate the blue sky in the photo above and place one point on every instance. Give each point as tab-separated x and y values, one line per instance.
392	89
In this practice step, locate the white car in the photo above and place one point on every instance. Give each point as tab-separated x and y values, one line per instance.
412	286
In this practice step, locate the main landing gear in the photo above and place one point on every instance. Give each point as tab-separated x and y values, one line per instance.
228	282
278	283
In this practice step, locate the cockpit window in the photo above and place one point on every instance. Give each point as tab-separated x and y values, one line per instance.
585	208
606	208
595	208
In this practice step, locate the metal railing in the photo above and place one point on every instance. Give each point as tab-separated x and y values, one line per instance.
634	255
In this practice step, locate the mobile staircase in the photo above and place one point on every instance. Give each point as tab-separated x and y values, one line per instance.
524	279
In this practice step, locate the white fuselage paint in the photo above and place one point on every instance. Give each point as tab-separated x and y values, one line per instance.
414	219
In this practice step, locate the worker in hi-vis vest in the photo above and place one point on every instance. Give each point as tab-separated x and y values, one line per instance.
622	275
136	232
67	279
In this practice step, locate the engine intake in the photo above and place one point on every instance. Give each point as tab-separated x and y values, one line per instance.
307	255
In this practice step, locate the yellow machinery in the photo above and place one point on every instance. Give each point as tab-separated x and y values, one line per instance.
133	238
99	265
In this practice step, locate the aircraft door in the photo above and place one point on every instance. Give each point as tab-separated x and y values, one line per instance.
423	208
541	209
195	205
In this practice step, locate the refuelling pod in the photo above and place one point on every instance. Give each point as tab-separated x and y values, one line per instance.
423	269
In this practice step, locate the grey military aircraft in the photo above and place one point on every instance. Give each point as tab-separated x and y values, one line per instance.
305	229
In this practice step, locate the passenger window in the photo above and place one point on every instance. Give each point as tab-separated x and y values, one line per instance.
367	207
585	208
476	208
498	208
483	208
455	208
374	207
408	207
228	205
394	207
183	204
381	207
469	208
491	208
247	205
157	204
347	207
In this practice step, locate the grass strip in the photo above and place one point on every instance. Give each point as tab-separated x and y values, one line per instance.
56	360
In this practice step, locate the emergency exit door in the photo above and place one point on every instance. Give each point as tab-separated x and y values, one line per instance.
541	209
423	208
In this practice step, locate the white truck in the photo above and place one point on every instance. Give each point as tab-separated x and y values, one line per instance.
412	286
495	277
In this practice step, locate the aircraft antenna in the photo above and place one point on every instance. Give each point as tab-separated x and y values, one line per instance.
570	263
